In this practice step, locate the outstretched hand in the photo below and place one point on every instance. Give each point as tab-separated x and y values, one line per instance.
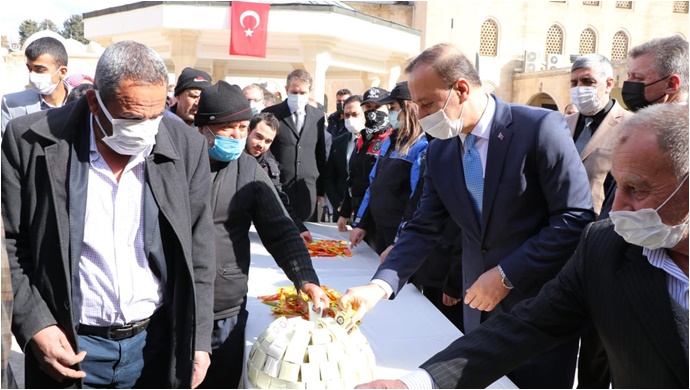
306	237
356	236
361	299
318	297
342	224
383	384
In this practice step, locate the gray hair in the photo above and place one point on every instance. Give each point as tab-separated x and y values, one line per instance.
128	60
301	75
448	62
253	86
596	62
669	122
670	56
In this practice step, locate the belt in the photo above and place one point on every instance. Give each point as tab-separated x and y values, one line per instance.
115	332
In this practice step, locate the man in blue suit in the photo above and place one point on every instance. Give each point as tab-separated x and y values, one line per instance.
510	177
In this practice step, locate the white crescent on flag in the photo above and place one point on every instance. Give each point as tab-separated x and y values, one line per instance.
249	27
250	13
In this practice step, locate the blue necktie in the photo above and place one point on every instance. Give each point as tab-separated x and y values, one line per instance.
474	179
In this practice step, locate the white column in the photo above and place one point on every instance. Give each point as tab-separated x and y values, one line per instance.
183	47
317	60
395	66
370	80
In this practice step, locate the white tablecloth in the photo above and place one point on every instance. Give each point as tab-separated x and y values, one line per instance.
403	333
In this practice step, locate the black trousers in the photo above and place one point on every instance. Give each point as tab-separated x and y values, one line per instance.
227	358
370	237
593	370
384	237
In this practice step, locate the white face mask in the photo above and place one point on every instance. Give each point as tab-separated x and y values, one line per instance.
586	99
644	227
130	136
438	125
256	107
297	102
354	124
43	83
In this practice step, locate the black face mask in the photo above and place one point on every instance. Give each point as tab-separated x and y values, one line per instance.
375	122
633	94
340	107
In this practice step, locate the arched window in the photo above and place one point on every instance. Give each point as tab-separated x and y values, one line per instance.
554	40
588	42
488	41
680	7
619	49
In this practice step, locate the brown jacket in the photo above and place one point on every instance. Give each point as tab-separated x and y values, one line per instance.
596	156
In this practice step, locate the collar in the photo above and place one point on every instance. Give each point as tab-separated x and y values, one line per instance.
483	127
68	88
659	258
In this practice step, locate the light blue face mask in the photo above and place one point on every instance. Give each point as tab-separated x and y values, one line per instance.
393	118
226	149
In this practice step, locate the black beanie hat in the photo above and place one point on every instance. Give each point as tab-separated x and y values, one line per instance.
192	78
222	103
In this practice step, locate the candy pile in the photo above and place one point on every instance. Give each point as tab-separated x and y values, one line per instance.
329	248
295	354
286	303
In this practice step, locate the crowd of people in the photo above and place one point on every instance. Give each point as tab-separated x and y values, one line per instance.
127	201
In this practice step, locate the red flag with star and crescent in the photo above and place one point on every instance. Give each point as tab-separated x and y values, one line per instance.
248	28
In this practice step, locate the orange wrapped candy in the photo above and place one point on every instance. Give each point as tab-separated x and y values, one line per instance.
329	248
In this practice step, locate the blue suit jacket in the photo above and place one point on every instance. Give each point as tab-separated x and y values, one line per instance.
536	203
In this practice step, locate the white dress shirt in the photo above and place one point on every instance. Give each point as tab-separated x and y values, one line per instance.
117	285
482	131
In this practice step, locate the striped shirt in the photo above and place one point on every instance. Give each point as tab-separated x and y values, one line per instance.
418	379
117	285
676	280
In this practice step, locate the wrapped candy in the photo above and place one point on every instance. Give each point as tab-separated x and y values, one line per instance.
296	353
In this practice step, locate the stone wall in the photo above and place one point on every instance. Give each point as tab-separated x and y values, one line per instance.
400	13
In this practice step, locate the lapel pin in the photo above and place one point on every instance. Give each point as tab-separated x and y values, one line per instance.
500	136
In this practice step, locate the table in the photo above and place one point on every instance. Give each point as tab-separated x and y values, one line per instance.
403	333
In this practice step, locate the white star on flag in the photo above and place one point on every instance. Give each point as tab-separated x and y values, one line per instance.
248	32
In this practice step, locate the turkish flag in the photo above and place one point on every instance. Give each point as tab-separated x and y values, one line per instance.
248	28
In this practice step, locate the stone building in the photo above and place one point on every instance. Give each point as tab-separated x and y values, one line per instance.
524	49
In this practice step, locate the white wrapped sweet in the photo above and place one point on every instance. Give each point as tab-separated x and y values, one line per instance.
298	354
